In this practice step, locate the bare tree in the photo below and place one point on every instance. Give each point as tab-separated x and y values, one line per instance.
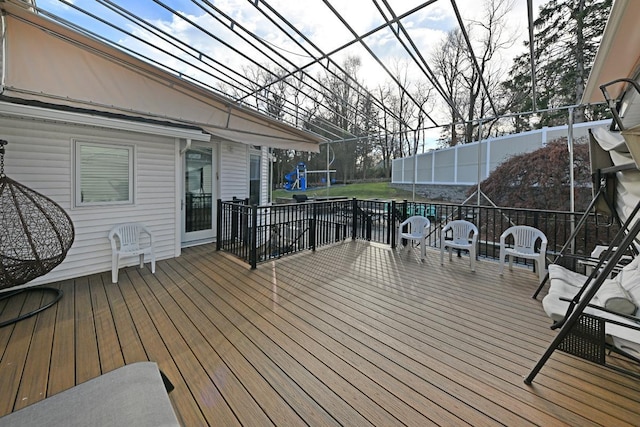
450	62
464	75
387	142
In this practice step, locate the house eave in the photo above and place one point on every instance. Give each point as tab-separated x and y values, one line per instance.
85	118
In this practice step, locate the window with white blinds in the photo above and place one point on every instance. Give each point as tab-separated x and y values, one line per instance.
104	174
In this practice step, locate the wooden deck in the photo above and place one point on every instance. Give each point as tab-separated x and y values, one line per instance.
354	334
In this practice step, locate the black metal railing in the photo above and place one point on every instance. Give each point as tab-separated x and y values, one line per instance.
198	212
261	233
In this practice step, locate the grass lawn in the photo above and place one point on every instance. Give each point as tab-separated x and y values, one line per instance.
370	190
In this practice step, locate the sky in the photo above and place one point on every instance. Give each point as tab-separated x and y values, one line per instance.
312	17
322	28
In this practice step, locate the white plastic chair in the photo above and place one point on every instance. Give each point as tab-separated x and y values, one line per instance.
129	240
417	231
524	246
465	236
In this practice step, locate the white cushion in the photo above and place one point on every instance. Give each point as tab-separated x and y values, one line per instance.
554	307
629	279
559	274
612	296
621	294
564	281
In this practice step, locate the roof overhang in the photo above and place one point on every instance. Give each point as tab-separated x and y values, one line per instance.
12	109
46	62
619	52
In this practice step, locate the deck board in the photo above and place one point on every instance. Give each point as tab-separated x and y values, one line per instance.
14	358
87	358
109	347
241	354
411	354
34	378
353	334
191	382
61	372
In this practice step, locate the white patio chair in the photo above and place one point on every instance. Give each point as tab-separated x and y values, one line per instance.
130	239
464	236
524	246
417	229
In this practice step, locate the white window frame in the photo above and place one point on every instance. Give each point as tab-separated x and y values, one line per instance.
131	148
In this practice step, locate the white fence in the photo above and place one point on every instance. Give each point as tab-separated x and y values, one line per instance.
458	165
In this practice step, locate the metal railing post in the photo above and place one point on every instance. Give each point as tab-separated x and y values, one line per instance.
312	226
354	222
253	255
219	234
390	216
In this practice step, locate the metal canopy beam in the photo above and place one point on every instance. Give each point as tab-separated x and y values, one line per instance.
473	56
416	55
217	75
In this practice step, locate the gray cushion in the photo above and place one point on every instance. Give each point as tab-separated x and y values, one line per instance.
133	395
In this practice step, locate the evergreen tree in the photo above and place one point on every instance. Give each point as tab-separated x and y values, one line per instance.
567	36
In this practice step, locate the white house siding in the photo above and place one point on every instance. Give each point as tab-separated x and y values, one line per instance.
234	170
264	175
39	155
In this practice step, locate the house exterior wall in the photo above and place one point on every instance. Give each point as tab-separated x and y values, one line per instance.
234	170
264	175
40	156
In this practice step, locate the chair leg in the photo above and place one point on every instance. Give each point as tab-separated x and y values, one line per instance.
114	268
502	255
450	254
141	260
541	271
442	254
472	259
153	263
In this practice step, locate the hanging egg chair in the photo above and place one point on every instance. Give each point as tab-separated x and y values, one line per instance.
35	236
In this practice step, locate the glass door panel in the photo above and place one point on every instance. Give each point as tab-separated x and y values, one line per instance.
198	195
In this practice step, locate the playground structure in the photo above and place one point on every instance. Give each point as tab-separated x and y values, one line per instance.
297	179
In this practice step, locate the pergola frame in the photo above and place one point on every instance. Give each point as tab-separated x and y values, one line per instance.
223	79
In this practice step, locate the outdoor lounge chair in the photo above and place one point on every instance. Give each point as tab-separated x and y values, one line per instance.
524	246
614	306
464	236
127	240
417	228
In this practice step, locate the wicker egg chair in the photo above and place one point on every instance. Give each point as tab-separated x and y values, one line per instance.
35	236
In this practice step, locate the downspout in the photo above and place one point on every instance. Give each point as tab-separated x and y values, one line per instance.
186	147
3	50
180	196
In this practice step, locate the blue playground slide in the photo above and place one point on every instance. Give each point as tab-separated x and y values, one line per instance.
297	178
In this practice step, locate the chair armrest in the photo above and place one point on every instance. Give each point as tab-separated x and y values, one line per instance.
503	238
148	232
